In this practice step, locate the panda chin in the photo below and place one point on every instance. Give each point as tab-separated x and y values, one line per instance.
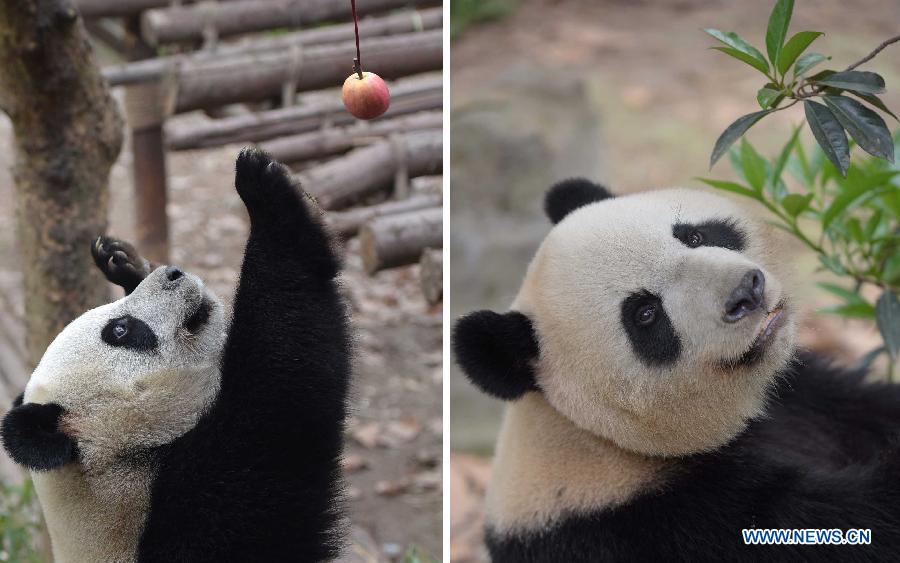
761	342
198	319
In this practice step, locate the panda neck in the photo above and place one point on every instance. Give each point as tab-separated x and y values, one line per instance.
546	468
81	507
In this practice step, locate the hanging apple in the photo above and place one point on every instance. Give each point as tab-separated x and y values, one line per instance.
365	95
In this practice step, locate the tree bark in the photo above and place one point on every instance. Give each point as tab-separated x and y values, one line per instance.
347	223
361	172
407	97
211	83
393	24
398	240
185	23
431	275
328	142
67	135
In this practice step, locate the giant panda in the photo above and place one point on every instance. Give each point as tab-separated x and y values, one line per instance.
159	430
657	404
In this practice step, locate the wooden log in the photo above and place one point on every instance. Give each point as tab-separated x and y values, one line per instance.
427	185
408	96
362	172
328	142
431	275
398	240
186	23
211	83
155	69
116	8
347	223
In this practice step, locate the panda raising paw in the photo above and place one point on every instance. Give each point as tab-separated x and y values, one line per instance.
157	429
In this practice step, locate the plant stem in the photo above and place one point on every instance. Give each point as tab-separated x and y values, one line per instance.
871	55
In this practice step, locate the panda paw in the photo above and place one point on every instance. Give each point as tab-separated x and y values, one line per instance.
266	187
120	262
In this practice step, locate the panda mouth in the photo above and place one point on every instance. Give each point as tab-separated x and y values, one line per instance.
763	339
198	319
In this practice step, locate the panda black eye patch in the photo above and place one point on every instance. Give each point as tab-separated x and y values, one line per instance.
715	232
649	329
131	333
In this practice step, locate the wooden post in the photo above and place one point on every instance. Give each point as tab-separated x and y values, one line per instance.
144	109
431	275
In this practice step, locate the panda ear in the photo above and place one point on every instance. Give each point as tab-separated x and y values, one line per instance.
496	352
32	437
568	195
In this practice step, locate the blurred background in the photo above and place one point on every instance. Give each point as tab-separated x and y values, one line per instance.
630	94
163	96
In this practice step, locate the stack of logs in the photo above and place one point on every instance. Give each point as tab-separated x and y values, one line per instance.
214	73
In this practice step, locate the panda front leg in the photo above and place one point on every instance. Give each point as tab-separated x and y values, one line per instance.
120	262
289	320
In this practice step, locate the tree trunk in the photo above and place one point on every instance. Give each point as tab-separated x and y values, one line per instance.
67	135
398	240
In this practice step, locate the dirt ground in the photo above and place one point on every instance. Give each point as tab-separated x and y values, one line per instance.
393	457
663	97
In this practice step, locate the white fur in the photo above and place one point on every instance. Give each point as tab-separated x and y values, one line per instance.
118	401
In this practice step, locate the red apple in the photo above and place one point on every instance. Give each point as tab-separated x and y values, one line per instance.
366	97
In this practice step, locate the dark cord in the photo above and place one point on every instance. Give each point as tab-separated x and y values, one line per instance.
357	62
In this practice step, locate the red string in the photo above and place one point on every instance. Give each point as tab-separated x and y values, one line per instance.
358	60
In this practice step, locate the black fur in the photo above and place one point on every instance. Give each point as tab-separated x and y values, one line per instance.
32	437
258	478
568	195
826	456
120	262
716	232
129	332
657	343
496	352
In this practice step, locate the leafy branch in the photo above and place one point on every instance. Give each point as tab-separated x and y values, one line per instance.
788	84
853	208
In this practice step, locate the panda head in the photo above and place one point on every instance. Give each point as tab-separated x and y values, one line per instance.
655	320
122	378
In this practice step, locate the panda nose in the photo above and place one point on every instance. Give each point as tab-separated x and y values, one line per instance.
746	297
173	273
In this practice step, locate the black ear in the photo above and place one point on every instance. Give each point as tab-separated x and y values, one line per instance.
32	437
568	195
496	351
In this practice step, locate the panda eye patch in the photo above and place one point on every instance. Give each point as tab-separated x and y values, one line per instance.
723	233
649	329
131	333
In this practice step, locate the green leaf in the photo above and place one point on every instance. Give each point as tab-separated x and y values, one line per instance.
853	310
783	158
864	125
833	264
779	21
888	318
875	101
848	295
865	362
733	133
855	229
760	65
873	223
754	166
792	49
731	187
829	134
795	204
736	42
854	189
767	97
807	61
855	80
